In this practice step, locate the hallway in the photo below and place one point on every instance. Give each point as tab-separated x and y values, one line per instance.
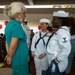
6	70
32	67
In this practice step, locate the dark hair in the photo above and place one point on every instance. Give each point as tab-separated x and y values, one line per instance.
49	28
71	22
25	22
64	21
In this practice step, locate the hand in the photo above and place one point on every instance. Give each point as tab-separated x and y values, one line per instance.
33	55
9	59
41	56
6	57
54	62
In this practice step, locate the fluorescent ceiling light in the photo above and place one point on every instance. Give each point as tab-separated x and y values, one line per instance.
39	6
43	6
2	6
33	6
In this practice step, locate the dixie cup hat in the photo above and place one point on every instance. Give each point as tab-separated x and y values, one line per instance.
25	20
45	20
61	13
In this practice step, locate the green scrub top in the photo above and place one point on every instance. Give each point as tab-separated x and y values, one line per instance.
15	30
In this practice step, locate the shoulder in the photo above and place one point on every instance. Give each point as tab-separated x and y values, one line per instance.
14	22
63	29
15	25
48	34
63	32
37	32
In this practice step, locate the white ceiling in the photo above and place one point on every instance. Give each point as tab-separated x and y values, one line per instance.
40	2
36	14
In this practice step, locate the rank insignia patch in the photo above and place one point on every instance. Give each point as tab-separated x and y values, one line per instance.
64	40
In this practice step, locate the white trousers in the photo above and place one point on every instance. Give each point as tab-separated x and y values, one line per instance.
40	64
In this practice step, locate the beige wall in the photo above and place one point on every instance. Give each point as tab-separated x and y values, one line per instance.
33	19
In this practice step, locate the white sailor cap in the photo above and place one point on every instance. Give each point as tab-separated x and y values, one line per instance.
45	20
25	20
61	13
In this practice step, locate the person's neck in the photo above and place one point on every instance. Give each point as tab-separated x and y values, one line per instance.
44	30
17	19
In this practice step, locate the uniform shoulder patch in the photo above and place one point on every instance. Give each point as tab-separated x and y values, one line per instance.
64	40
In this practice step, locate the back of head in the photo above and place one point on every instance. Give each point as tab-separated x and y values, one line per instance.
13	8
61	14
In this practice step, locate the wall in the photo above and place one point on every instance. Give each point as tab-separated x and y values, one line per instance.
33	20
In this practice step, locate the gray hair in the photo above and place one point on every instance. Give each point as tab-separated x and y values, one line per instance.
14	8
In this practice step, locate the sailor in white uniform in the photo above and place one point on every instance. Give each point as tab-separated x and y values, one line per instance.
38	46
59	45
27	31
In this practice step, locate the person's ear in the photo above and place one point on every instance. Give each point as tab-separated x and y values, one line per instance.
60	20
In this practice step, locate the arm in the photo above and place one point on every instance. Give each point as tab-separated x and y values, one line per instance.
13	46
64	44
12	50
33	45
6	47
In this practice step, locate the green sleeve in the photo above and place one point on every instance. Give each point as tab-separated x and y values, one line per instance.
17	31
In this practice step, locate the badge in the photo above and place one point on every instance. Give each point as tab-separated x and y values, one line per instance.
64	40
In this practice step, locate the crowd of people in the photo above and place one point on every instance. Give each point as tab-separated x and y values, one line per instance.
52	51
2	49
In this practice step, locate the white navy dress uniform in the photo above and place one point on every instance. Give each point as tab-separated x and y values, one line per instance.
59	45
28	32
40	64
